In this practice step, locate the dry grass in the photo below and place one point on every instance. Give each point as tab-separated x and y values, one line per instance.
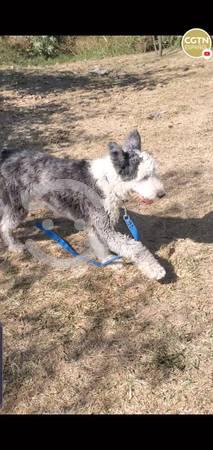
113	342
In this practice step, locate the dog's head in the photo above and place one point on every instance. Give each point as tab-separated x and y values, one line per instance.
137	167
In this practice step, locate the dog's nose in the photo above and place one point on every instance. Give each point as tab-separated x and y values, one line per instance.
161	194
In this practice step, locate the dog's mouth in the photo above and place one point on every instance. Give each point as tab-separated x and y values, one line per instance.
146	201
143	200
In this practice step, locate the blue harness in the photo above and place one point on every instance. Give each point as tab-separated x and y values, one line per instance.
68	247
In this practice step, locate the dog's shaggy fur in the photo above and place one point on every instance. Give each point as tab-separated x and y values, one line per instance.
81	189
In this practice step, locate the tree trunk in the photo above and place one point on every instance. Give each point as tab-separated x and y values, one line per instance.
160	48
157	42
154	43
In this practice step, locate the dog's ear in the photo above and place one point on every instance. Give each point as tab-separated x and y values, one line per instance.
115	150
124	162
117	155
132	141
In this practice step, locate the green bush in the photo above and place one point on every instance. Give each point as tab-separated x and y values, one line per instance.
46	46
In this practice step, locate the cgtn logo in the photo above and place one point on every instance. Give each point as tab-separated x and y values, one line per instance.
197	43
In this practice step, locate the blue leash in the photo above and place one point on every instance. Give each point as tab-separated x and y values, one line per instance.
68	247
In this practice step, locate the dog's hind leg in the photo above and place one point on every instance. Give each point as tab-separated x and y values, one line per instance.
9	221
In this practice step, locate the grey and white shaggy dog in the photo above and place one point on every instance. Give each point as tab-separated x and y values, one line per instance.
88	190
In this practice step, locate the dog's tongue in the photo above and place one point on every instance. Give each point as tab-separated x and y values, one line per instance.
146	201
141	199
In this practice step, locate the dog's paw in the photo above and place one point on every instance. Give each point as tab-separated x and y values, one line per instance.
153	272
159	273
17	247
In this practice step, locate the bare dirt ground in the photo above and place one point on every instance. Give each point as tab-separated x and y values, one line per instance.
105	341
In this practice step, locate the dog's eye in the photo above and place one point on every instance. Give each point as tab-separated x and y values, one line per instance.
146	177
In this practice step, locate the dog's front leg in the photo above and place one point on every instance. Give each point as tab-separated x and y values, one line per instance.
125	246
136	252
102	250
131	249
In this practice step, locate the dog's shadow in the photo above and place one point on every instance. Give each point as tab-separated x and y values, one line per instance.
155	232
